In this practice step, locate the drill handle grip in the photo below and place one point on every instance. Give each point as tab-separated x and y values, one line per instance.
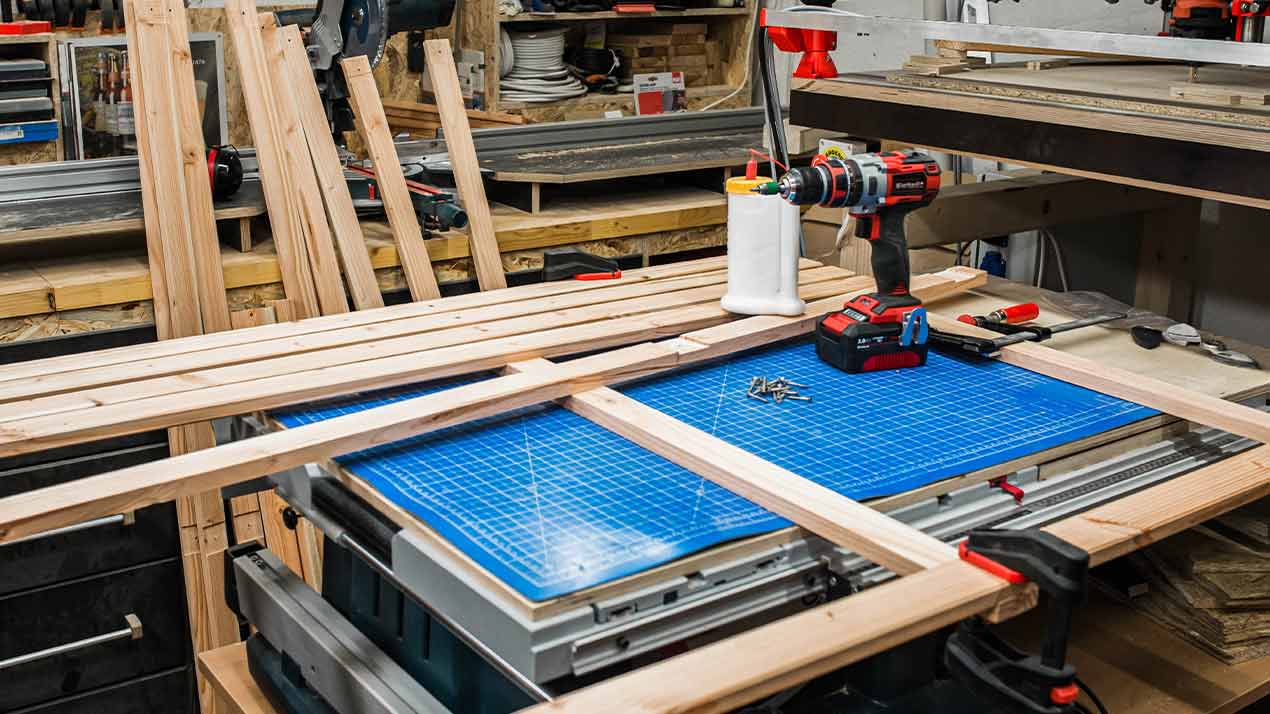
885	230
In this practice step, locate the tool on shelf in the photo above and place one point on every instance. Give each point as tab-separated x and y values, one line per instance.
1013	335
994	670
574	264
885	329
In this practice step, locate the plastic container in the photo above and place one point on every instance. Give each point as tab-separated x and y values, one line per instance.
763	252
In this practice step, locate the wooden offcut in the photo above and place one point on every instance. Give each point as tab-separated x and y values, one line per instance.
467	170
368	113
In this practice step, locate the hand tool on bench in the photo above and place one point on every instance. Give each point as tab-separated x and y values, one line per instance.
1012	315
885	329
1012	335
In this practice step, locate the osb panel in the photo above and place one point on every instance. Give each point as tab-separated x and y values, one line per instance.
70	322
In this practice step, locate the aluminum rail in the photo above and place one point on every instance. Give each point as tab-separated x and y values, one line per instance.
1110	43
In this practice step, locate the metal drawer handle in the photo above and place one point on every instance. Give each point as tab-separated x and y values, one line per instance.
123	519
131	632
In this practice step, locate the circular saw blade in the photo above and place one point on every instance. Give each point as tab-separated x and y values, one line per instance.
364	24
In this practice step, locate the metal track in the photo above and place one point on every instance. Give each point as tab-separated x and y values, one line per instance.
899	31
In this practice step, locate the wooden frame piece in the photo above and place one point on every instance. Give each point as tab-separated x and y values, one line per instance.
467	170
368	113
733	672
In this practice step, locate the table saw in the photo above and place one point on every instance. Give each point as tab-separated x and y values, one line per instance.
552	553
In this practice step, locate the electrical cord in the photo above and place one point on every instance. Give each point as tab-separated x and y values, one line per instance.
538	72
1092	697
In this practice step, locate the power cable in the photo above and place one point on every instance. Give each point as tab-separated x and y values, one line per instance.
538	72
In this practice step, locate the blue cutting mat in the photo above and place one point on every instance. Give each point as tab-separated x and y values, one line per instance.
551	503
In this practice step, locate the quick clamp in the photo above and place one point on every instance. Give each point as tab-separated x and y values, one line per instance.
1001	675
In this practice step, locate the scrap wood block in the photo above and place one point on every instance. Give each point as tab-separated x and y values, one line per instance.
685	50
640	40
689	62
1225	94
1039	65
936	70
633	51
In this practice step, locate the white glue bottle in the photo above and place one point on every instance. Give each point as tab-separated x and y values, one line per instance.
763	250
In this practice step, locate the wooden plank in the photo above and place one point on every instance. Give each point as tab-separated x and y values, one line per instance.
838	519
467	169
115	383
307	195
177	314
209	278
284	219
1023	50
1227	94
423	108
129	489
330	174
226	668
415	361
161	351
729	674
363	96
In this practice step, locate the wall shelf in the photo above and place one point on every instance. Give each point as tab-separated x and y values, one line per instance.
611	15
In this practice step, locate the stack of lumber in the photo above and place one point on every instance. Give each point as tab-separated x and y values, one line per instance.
418	117
665	47
1212	590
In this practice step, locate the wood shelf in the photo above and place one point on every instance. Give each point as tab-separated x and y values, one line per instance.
611	15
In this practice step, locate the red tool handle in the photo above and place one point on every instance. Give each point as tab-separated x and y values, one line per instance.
615	275
1013	315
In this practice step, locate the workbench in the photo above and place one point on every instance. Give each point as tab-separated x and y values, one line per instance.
1187	369
1111	121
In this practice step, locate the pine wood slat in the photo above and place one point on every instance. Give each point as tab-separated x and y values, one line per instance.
129	489
23	372
483	242
284	219
368	114
668	292
306	196
414	359
353	255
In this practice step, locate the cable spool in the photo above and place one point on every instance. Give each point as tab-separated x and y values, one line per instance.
538	72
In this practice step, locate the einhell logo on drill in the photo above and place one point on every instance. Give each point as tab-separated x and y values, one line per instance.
910	186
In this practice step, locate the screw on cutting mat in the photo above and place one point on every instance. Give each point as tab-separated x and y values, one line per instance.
778	389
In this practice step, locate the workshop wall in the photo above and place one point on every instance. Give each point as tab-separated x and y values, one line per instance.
1232	295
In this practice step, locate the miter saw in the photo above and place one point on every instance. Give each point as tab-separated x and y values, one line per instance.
349	28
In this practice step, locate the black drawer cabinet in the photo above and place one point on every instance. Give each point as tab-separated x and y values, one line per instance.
164	693
147	535
74	610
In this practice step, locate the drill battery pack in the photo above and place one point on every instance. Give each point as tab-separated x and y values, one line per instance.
872	334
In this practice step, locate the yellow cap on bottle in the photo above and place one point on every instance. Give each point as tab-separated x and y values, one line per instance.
740	184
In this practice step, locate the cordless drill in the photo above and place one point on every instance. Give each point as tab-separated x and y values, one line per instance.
885	329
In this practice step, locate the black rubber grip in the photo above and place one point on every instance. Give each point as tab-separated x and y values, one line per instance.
890	253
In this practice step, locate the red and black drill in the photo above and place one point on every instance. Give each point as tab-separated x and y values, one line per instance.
886	329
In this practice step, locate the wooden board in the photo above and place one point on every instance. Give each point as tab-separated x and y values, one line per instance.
373	127
306	193
284	219
330	174
467	171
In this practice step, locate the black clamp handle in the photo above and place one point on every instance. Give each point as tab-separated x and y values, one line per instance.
1010	679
